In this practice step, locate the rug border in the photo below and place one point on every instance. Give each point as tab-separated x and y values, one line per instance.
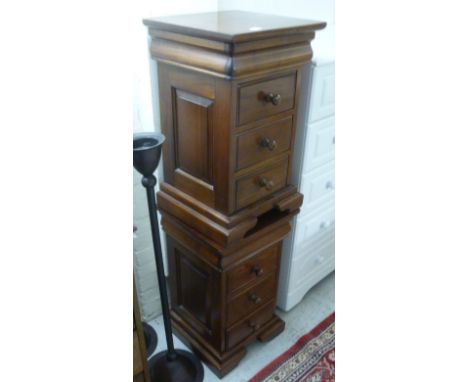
278	361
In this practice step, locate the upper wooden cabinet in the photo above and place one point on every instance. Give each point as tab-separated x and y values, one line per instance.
229	88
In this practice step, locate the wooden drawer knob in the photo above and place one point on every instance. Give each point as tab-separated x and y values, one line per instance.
275	99
268	143
254	325
255	299
268	184
257	270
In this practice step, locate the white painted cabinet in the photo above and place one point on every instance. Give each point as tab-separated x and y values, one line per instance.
309	252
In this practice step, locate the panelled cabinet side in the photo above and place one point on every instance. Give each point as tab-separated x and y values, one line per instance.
195	118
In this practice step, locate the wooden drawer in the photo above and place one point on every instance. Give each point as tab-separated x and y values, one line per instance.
253	270
249	325
262	183
266	98
250	300
263	143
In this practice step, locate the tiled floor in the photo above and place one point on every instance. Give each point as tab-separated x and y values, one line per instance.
318	303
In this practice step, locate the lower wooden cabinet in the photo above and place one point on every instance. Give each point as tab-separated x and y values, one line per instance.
223	298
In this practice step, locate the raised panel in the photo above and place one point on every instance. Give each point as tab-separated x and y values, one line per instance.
193	288
193	134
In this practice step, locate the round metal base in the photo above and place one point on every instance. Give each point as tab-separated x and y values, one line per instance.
185	368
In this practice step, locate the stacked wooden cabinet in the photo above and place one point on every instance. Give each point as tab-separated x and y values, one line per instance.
229	90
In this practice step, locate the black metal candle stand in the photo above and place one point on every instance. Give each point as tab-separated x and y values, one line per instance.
171	365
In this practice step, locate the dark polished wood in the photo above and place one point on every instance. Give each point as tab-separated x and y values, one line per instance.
253	298
233	26
229	91
205	289
265	98
263	143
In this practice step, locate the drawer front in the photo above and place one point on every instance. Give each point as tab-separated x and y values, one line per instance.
320	145
263	183
318	187
266	98
264	143
308	258
314	226
253	270
251	300
249	325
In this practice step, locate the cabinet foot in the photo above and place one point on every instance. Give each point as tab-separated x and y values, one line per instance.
275	327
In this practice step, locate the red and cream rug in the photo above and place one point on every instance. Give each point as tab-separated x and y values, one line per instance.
310	359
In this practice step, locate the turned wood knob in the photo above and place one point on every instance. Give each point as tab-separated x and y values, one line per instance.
268	143
268	184
255	299
275	99
254	325
257	270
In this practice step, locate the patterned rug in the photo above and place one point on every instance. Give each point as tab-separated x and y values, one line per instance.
310	359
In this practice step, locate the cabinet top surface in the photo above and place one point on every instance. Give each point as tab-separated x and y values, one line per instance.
233	26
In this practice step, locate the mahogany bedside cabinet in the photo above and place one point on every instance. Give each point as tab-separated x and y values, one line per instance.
229	91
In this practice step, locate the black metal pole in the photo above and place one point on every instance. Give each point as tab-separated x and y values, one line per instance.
149	182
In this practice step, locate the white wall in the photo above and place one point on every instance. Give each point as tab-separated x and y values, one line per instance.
146	118
323	10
